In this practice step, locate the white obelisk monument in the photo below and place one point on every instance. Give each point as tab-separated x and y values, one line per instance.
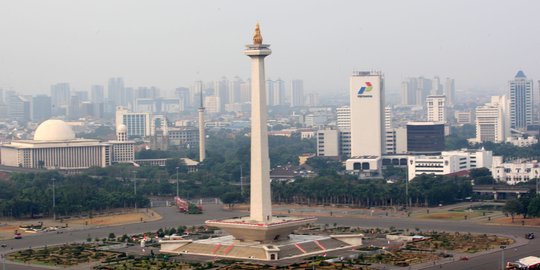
259	227
261	203
202	135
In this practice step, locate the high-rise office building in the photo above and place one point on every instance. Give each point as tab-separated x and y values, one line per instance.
97	93
493	120
138	124
436	108
450	91
212	104
408	92
81	95
297	93
245	91
328	143
117	92
221	90
182	93
367	106
436	87
18	108
425	137
41	108
147	92
60	95
312	100
276	92
521	101
343	117
270	92
234	90
388	117
423	89
195	92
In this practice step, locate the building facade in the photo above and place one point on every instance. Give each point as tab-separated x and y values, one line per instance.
450	92
343	117
517	171
436	108
492	121
449	162
138	124
366	93
55	147
297	93
425	137
521	101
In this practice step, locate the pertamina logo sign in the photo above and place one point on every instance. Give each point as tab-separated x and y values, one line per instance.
363	92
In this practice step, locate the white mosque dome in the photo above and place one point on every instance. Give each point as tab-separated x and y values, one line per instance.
121	128
54	130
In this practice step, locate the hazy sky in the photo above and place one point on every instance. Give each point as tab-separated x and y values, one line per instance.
172	43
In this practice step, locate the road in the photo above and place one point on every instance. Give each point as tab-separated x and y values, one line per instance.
172	218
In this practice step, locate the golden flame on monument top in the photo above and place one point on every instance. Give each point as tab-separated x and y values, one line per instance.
257	37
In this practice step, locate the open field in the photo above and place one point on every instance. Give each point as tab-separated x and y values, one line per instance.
118	219
8	228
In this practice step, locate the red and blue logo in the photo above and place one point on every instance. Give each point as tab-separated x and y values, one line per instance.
365	89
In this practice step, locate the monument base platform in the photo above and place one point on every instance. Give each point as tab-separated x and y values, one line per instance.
245	230
295	246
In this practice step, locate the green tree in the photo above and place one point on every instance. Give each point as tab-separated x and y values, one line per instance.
231	198
512	208
534	207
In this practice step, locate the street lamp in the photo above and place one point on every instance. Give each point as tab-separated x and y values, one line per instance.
135	187
54	198
407	194
177	185
503	267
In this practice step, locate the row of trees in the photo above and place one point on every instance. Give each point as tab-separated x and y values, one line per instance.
528	206
423	190
32	194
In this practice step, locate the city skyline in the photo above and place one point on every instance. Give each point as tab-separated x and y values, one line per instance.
161	44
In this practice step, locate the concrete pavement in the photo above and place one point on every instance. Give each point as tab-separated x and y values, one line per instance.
171	218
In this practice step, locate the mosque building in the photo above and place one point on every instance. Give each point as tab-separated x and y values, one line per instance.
55	147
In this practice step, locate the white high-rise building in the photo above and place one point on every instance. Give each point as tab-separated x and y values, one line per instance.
367	105
221	90
212	104
137	123
436	87
343	117
521	101
408	91
450	91
328	143
388	117
436	108
492	121
60	94
195	92
245	91
297	93
423	89
117	91
234	90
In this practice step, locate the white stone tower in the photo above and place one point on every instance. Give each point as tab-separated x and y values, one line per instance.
202	136
121	133
260	204
259	226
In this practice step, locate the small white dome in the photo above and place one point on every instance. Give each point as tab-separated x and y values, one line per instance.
54	130
121	128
